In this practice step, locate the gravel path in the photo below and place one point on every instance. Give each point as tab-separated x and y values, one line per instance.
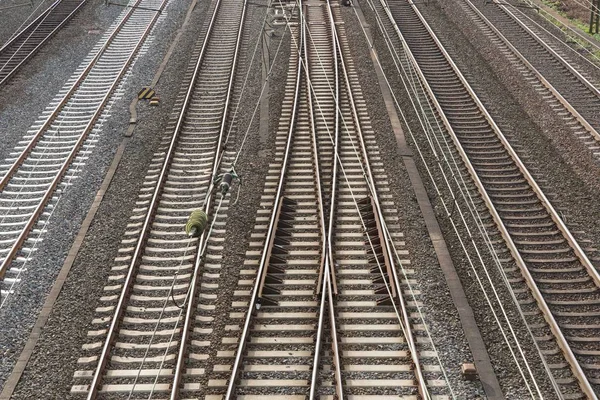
66	329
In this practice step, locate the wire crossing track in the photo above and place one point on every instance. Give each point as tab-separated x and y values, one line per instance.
326	295
318	300
54	150
551	261
147	339
26	43
554	64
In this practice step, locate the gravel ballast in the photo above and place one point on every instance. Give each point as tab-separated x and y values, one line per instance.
518	112
49	373
17	14
440	313
569	174
28	93
65	333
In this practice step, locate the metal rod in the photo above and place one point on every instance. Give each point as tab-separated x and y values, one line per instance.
327	247
334	161
561	340
320	205
421	382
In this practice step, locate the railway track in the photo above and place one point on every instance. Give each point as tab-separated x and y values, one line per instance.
143	344
26	43
56	147
151	333
550	260
555	69
312	307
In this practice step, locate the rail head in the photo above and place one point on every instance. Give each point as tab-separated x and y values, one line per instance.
539	75
565	63
594	274
396	295
561	340
326	285
41	43
198	262
36	20
46	124
320	202
115	321
235	369
12	253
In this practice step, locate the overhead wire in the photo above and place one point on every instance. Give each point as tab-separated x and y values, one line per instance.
92	137
13	55
245	136
371	188
446	180
480	225
27	257
34	241
18	30
561	40
170	296
210	188
264	85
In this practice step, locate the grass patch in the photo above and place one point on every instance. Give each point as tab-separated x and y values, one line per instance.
581	25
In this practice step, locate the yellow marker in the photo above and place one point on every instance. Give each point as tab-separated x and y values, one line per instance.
145	93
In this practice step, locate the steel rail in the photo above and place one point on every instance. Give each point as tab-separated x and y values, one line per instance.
45	12
328	236
538	39
144	232
11	171
39	20
369	177
320	200
326	297
561	340
235	369
181	357
539	75
405	318
73	153
327	274
269	246
594	274
562	21
336	145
